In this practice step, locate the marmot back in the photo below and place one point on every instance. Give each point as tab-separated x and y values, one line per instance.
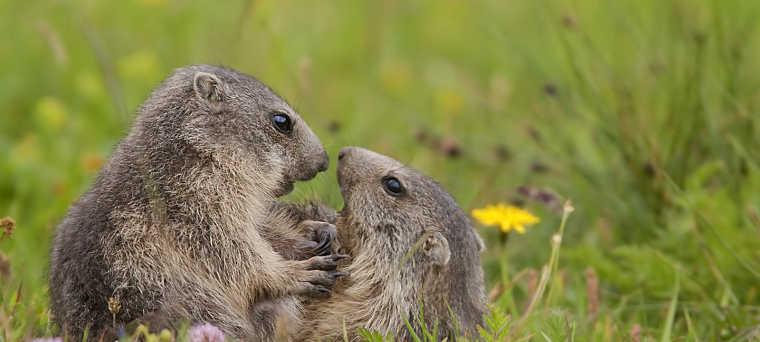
411	245
170	229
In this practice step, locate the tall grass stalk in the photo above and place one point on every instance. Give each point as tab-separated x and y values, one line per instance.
547	271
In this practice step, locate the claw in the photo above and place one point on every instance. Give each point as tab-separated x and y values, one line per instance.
324	263
326	279
307	244
320	292
314	291
338	257
322	248
324	235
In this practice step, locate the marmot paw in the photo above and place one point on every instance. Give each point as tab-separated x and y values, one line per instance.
323	234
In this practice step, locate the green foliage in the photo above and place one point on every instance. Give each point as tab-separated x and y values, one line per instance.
497	324
374	336
643	112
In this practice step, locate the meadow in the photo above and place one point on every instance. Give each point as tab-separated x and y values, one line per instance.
642	113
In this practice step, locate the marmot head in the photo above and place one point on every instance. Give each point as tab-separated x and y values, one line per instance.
409	221
231	116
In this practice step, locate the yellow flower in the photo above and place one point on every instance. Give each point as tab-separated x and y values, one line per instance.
507	217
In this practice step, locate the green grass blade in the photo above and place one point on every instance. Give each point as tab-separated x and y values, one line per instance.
668	328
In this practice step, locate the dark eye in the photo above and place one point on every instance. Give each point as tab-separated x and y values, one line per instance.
282	122
393	186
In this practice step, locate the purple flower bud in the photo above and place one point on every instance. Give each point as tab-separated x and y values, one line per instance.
525	190
545	197
206	333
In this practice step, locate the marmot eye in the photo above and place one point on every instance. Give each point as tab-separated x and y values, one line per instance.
393	186
282	122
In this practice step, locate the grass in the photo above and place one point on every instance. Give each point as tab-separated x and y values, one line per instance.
643	112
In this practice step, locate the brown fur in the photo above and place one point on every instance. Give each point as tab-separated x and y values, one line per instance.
171	230
414	250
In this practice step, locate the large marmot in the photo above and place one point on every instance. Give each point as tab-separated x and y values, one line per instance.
413	250
170	229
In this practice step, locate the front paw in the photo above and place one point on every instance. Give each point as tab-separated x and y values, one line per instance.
318	275
323	237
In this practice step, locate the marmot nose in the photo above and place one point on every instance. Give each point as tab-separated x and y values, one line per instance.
345	151
325	162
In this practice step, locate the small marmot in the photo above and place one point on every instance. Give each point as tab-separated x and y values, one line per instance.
411	246
170	229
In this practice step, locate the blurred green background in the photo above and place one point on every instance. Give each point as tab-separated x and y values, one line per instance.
644	113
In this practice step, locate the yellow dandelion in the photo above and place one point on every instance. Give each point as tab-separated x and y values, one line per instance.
507	217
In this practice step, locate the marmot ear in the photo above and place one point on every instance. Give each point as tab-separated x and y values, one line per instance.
208	87
437	249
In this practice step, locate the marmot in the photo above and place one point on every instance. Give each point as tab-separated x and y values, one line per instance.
170	229
412	249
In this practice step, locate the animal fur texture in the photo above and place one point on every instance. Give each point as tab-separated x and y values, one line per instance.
409	251
171	229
